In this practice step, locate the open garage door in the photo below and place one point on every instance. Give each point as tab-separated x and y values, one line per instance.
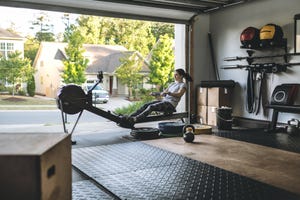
170	11
175	11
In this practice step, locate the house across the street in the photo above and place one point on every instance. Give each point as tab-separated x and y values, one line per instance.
10	42
106	58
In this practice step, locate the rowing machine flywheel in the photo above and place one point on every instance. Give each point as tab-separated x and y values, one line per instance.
71	99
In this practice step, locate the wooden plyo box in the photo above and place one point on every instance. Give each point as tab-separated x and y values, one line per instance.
35	166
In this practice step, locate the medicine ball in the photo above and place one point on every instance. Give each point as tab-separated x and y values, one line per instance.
271	34
250	37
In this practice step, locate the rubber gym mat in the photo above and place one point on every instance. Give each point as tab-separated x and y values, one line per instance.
136	170
258	136
86	190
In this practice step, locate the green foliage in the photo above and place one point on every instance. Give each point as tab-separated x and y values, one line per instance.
44	33
31	86
158	29
92	27
162	62
21	92
15	69
145	95
2	88
127	110
128	72
75	64
135	35
31	47
44	36
145	98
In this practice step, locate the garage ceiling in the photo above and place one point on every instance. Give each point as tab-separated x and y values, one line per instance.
176	11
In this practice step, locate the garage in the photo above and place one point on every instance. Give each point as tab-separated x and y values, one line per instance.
257	158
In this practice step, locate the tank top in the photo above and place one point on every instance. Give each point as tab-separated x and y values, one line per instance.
174	87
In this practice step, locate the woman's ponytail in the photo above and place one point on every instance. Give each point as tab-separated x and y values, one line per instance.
188	77
184	74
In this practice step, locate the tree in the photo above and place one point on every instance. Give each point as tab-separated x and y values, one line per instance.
159	28
128	72
75	63
132	34
15	69
31	47
44	33
91	27
162	62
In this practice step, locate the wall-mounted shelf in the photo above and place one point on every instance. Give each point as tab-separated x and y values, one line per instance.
268	44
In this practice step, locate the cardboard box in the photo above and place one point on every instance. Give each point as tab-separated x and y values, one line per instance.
212	115
202	114
207	115
202	96
35	166
218	97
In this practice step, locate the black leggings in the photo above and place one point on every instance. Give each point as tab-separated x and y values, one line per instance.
146	109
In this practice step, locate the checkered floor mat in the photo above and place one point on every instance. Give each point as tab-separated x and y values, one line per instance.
258	136
135	170
86	190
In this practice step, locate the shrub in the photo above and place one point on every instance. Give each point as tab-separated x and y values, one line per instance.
126	110
31	86
144	98
21	92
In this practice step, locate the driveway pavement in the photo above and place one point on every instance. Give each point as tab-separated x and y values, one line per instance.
82	128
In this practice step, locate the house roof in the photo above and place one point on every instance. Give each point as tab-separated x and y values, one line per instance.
111	62
104	58
5	34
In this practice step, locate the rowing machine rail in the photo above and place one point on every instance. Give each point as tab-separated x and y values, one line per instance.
71	99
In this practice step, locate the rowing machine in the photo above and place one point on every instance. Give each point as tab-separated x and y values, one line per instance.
71	99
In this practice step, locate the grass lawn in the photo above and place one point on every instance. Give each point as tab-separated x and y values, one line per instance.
23	102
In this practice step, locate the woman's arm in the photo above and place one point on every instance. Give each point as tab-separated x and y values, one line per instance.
177	94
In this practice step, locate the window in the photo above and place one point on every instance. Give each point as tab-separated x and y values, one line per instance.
2	46
10	46
6	48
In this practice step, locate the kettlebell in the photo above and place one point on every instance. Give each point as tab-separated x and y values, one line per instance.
188	136
293	127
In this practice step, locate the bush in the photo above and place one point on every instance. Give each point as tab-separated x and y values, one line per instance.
21	92
2	88
31	86
126	110
144	98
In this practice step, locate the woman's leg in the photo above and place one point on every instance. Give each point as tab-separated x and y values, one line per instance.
144	107
163	106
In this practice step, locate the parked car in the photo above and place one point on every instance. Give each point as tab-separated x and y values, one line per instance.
99	95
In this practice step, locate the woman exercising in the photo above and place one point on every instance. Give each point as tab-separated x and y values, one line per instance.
171	97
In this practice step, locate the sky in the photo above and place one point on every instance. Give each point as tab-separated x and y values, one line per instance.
22	19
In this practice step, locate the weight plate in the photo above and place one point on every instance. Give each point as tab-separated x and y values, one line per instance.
145	133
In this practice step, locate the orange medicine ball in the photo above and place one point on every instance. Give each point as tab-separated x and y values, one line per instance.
250	37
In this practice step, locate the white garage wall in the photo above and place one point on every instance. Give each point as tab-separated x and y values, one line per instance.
226	27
